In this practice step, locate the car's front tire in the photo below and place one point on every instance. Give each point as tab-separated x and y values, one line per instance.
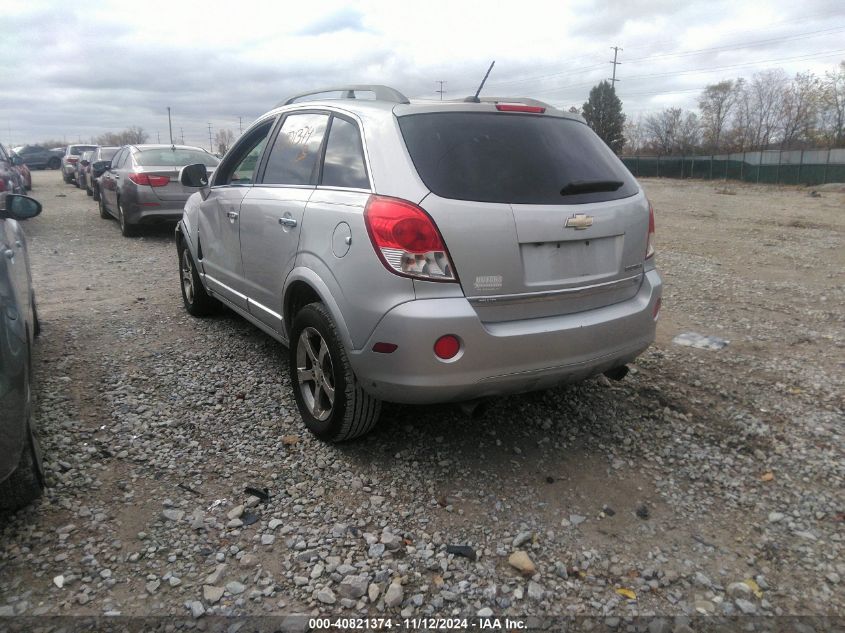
95	193
54	163
331	401
197	301
103	211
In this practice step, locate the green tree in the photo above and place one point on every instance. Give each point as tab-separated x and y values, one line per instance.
603	112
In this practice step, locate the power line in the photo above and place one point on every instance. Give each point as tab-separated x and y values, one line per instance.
584	69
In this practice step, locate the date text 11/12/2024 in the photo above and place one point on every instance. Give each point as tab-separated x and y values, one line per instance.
416	624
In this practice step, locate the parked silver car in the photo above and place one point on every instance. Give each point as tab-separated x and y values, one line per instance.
423	252
140	185
72	155
21	476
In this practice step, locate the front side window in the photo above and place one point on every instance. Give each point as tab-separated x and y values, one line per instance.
242	160
296	151
344	162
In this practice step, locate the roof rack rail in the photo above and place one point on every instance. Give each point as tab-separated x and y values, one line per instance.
523	100
382	93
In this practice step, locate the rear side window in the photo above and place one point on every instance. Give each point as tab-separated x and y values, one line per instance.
107	153
513	158
167	157
344	162
293	159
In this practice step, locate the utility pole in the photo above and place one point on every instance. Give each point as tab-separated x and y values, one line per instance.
169	125
240	125
182	135
615	63
158	136
441	91
210	142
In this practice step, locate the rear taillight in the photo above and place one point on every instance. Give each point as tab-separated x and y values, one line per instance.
518	107
146	179
2	185
407	240
649	249
72	159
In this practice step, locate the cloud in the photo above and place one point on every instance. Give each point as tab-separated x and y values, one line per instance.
347	19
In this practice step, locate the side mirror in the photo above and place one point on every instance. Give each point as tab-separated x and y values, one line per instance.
84	163
17	160
101	165
20	207
194	176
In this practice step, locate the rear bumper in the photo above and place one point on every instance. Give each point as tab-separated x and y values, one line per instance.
144	213
500	358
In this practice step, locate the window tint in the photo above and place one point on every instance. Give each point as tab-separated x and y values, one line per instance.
76	150
107	153
293	159
344	162
242	160
116	160
121	159
511	158
178	157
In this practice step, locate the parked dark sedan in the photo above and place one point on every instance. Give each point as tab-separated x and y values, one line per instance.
21	475
99	160
141	184
37	157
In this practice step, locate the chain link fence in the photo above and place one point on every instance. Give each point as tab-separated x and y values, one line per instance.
790	167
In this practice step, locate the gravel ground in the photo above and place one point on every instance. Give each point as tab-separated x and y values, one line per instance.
705	482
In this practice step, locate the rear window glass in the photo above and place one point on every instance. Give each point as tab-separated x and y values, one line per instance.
512	158
167	157
77	150
107	152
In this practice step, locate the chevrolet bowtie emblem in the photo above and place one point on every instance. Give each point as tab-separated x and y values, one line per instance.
579	221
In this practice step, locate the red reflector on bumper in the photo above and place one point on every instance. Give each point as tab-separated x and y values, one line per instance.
385	348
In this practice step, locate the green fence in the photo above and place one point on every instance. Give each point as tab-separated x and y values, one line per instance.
793	167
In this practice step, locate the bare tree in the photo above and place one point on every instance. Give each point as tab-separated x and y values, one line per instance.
223	140
134	135
800	110
832	107
716	104
767	90
635	135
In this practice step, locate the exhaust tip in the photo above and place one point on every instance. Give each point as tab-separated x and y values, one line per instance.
617	373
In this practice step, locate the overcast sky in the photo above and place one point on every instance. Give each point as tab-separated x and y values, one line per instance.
74	70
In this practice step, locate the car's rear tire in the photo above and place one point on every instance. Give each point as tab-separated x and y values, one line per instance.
76	182
66	178
88	189
331	401
197	301
126	229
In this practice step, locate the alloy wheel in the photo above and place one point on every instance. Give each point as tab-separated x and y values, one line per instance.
315	373
187	276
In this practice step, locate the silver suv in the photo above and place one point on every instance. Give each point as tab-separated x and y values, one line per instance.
423	252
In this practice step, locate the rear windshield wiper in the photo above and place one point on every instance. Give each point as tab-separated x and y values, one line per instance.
590	186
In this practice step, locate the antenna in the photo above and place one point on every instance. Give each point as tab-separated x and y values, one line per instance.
475	99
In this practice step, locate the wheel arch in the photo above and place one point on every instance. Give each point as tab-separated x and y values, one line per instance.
304	286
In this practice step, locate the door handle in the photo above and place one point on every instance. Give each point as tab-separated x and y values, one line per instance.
231	215
9	253
287	222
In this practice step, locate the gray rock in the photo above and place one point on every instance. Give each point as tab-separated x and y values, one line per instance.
197	610
353	587
235	513
394	595
484	612
235	588
373	592
738	590
214	577
212	594
535	591
747	607
325	595
576	519
521	539
172	514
